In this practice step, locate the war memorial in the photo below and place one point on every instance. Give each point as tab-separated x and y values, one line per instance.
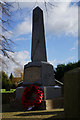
39	72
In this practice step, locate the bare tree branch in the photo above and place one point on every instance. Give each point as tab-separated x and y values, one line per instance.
5	42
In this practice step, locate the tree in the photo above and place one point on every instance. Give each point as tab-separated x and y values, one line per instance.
18	72
11	77
5	41
78	64
62	68
13	83
5	19
5	81
59	73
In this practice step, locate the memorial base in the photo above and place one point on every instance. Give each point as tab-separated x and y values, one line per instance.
40	73
51	95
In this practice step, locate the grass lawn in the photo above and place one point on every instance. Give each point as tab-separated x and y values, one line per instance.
32	115
5	91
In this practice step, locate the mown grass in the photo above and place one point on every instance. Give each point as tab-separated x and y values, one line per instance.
33	115
5	91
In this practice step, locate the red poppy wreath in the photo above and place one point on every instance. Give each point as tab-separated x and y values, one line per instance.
32	96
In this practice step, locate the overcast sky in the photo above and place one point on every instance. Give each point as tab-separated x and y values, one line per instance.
61	32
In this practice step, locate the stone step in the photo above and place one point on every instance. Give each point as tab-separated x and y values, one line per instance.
45	105
16	105
54	103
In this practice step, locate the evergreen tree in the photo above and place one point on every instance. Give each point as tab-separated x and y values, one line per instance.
11	77
5	81
62	68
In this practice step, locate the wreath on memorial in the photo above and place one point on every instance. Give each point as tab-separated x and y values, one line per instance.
32	96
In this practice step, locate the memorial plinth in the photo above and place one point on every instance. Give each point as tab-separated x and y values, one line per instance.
39	71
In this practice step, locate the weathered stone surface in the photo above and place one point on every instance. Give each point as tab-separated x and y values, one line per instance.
54	103
19	92
38	52
72	93
47	74
51	92
32	74
40	73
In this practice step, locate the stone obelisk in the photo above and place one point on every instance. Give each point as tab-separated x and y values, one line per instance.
38	52
39	71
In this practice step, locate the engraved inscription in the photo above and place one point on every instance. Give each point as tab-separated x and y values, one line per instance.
32	74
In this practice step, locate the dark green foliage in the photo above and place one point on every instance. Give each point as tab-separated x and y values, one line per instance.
59	73
11	77
62	68
5	81
78	64
13	86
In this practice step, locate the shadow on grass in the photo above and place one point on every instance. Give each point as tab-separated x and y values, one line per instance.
8	108
12	110
53	118
21	119
54	113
